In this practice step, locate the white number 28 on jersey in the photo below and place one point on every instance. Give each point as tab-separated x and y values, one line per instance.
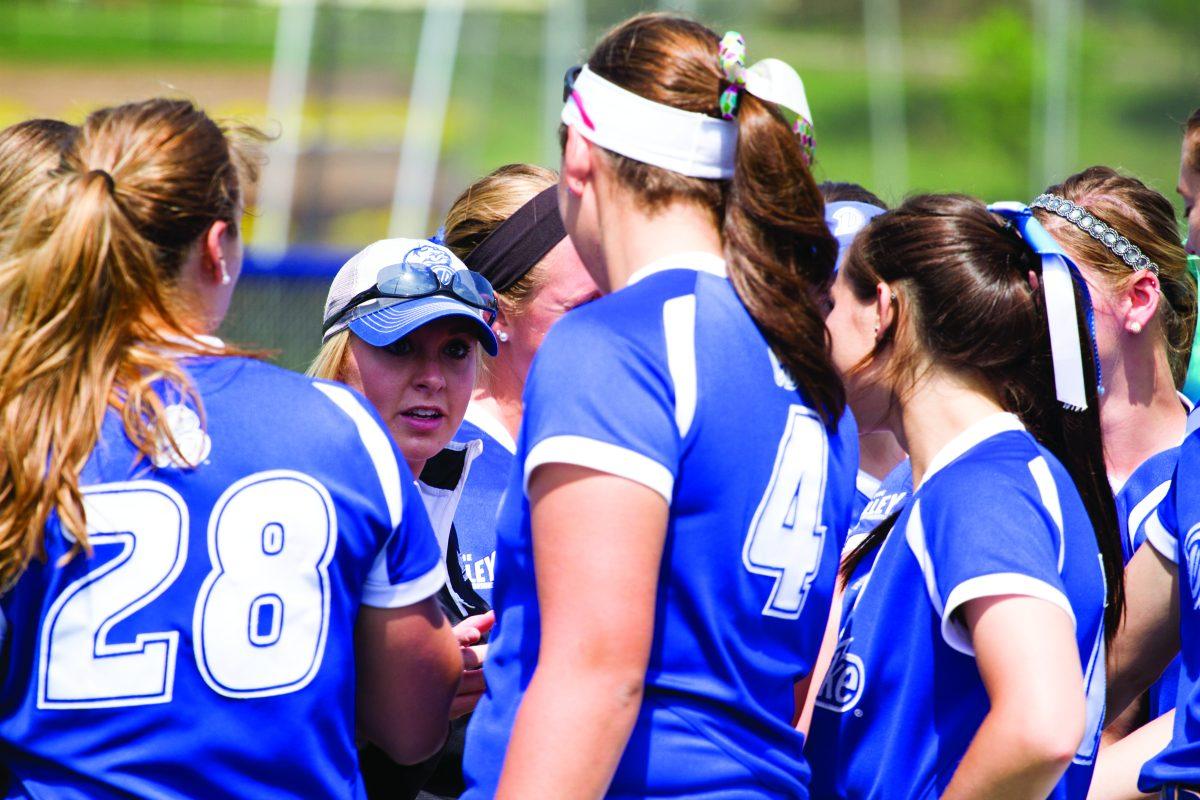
786	535
262	615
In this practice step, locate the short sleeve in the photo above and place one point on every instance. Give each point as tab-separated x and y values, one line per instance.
987	538
1179	511
600	396
409	568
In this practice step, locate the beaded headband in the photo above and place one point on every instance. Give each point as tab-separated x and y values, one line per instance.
1108	236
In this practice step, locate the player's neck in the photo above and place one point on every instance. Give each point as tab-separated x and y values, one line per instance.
501	400
937	410
1140	412
632	239
878	453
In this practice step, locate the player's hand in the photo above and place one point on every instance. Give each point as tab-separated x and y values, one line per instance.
468	632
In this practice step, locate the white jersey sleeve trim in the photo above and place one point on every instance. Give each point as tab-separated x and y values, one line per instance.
1142	511
383	594
1048	491
377	443
679	327
914	535
602	457
994	585
1161	539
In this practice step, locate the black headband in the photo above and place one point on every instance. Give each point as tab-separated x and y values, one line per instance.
520	242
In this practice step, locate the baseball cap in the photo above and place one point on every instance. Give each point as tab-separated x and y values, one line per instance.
845	219
380	321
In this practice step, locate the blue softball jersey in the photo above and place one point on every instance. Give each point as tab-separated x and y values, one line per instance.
1173	529
996	514
475	518
1136	500
206	648
669	383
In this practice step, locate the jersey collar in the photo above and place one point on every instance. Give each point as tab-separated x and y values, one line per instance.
490	425
982	430
695	260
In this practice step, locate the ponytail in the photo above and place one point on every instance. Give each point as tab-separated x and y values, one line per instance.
780	252
965	304
88	295
780	255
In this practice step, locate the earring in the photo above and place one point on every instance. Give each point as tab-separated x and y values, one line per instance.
225	279
502	336
876	330
1135	327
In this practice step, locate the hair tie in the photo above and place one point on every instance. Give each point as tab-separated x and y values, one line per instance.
731	57
770	80
108	179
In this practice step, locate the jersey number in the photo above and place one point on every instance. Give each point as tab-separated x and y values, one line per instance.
786	536
262	615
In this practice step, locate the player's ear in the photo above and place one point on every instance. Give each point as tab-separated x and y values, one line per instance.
577	163
214	258
1140	301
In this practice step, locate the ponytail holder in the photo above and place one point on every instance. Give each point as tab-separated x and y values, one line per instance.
1059	279
108	179
770	80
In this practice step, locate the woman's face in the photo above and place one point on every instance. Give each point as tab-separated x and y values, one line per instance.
852	325
568	285
420	384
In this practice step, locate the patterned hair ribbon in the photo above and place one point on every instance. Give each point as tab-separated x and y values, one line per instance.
1060	276
770	80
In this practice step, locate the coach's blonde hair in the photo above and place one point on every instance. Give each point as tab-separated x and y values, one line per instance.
93	317
29	151
330	363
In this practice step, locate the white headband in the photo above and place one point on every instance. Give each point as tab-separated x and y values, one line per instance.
691	144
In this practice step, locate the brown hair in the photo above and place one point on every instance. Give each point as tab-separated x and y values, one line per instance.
844	191
485	204
965	305
1146	218
93	317
1191	136
29	151
779	252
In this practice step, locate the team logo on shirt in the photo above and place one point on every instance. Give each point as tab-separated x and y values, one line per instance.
436	258
1191	551
843	685
192	443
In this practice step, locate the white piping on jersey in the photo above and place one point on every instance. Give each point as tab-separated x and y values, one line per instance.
1048	491
866	483
679	327
1143	510
379	592
602	457
982	430
442	504
995	584
695	260
491	425
1161	539
914	534
377	443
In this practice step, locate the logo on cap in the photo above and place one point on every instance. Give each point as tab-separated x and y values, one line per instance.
435	258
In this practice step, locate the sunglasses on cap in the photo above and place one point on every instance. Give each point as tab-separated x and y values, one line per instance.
414	281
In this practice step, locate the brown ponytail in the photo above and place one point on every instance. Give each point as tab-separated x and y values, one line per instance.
29	151
965	305
93	317
778	250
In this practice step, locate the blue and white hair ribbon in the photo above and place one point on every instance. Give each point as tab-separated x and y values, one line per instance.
1059	276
